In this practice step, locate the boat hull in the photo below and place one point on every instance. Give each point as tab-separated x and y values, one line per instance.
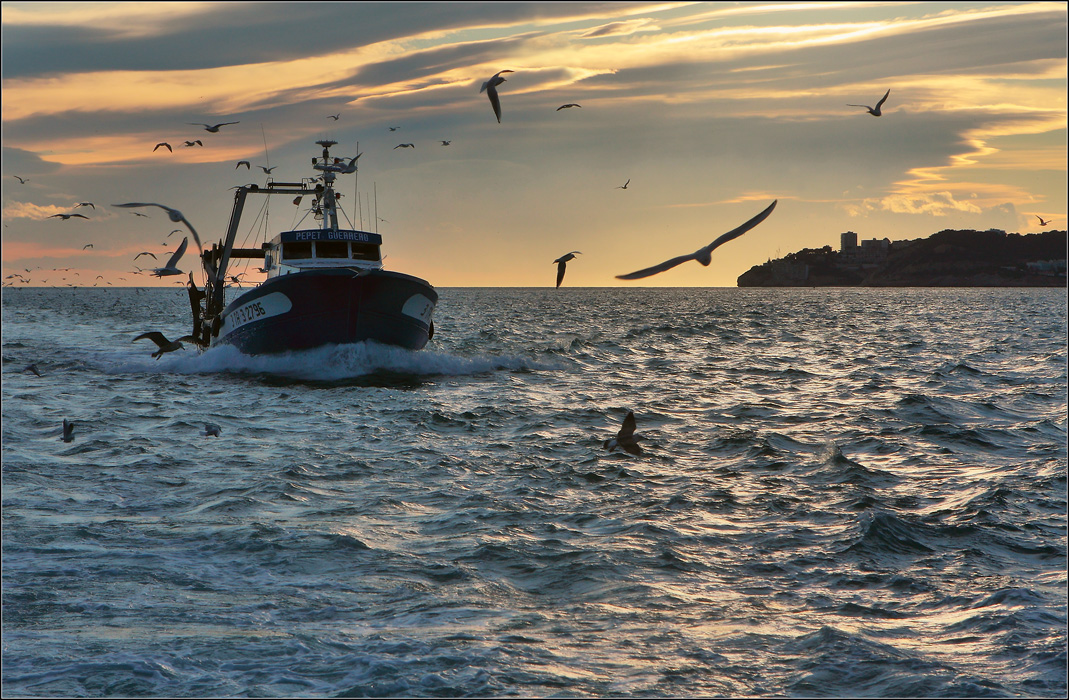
310	309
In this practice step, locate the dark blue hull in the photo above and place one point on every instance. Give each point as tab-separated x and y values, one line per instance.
309	309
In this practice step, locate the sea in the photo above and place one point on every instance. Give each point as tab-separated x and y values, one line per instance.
842	493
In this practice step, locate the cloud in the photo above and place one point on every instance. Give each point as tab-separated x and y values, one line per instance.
622	28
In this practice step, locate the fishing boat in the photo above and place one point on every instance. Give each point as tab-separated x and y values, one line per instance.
325	284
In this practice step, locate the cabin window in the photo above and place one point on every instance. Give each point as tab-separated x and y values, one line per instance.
332	249
297	250
365	251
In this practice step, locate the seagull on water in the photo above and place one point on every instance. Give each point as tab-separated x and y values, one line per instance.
1041	221
67	216
562	262
212	129
163	143
68	430
175	216
241	163
171	268
570	104
874	111
626	438
162	342
145	253
211	430
702	255
490	88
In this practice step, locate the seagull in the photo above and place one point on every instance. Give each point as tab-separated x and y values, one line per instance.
67	216
193	143
171	268
175	216
241	163
177	230
162	342
87	245
490	88
626	438
211	430
702	255
571	104
211	129
404	145
446	143
32	368
266	169
561	263
623	186
394	128
68	430
335	117
85	204
163	143
874	111
1041	221
22	180
145	253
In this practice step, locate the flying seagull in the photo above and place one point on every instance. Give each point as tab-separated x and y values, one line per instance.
626	438
1041	221
490	88
570	104
874	111
446	143
22	180
193	143
175	216
623	186
171	268
404	145
702	255
163	143
562	262
335	117
211	430
85	204
394	128
267	170
145	253
68	430
211	129
241	163
67	216
162	342
87	245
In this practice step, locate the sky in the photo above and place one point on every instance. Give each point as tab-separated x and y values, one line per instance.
709	111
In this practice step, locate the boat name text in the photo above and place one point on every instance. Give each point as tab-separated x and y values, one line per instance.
331	236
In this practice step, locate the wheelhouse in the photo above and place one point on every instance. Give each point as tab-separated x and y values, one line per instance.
316	249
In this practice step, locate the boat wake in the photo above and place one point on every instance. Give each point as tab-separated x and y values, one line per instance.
329	363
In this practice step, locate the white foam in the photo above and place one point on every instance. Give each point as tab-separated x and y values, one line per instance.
328	363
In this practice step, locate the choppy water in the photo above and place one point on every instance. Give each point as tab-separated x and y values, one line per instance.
844	492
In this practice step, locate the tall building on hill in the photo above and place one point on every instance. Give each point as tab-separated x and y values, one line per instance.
847	241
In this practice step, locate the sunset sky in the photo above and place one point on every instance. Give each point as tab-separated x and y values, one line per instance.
711	110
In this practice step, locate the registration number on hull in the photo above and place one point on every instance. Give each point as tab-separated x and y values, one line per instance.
273	304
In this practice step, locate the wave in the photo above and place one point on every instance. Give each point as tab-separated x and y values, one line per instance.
328	363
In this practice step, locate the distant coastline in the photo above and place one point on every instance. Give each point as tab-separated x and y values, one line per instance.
950	258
